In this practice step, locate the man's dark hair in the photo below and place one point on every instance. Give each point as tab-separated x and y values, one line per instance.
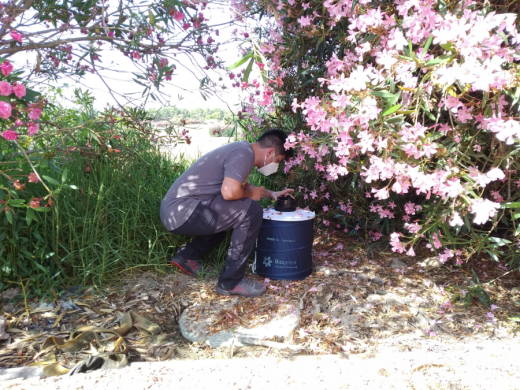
275	138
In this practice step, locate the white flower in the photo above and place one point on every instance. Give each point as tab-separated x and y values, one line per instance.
495	174
456	220
483	210
398	40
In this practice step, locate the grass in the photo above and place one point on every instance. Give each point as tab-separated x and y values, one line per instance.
111	224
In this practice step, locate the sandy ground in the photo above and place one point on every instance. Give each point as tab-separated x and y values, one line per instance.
491	366
201	142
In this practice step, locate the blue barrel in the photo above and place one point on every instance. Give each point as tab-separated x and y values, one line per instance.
284	246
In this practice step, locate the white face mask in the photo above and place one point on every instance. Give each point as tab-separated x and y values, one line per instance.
268	169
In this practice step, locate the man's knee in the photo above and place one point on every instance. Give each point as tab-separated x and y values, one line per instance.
255	213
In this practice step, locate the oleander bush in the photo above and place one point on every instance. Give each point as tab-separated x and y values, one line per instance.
404	115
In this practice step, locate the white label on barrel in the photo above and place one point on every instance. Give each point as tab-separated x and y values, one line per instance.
292	216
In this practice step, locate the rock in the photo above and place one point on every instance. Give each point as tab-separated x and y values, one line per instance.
430	263
387	299
374	298
8	307
362	277
398	264
359	309
377	280
321	302
69	305
381	292
194	327
349	319
326	270
3	327
422	320
46	305
9	294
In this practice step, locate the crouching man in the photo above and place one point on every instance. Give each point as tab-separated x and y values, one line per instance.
213	196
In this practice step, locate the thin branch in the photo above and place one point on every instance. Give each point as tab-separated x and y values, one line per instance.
33	168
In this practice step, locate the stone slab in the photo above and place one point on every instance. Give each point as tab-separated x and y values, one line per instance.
195	329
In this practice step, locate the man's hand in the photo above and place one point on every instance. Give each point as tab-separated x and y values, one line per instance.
287	191
254	193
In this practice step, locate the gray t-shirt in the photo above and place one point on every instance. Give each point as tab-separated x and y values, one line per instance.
204	179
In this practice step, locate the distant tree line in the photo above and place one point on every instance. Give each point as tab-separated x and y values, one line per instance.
169	113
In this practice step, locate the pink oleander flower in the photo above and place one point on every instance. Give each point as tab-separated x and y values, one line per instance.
6	68
447	254
5	88
18	122
33	128
33	178
10	135
34	112
397	246
496	196
16	36
5	110
376	236
163	62
19	90
178	16
35	203
305	21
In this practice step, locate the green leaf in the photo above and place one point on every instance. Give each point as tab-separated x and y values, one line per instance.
64	175
9	215
509	205
395	119
391	110
439	60
499	241
31	95
426	46
383	94
51	180
448	46
493	255
248	70
320	41
411	52
16	202
240	61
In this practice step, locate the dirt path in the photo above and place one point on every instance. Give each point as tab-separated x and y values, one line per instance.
352	304
471	367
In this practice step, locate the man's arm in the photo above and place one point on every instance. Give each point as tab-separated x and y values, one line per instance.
232	189
266	194
271	194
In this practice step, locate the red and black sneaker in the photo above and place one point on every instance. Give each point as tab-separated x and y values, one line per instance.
246	288
191	267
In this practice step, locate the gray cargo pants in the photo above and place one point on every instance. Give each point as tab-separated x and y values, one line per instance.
209	223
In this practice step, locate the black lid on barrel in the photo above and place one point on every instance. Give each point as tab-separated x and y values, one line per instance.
285	203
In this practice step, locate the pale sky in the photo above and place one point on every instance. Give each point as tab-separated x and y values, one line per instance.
184	84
